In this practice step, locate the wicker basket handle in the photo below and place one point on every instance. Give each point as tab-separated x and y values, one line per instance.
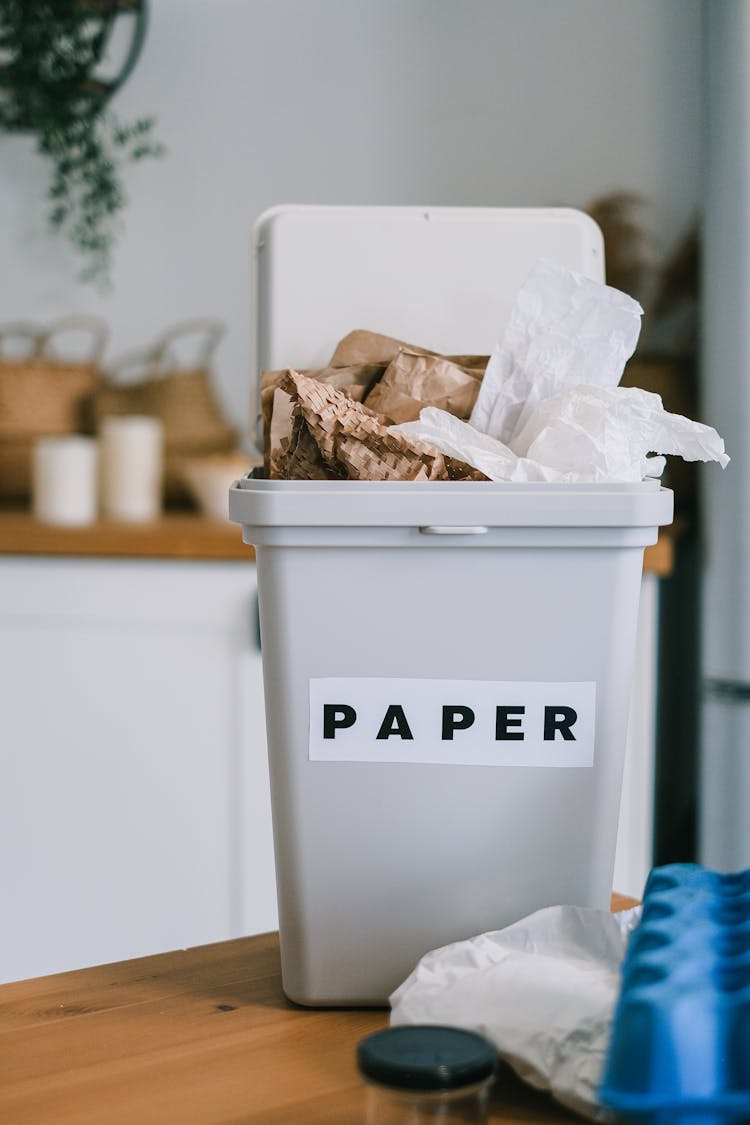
92	325
136	364
210	329
26	330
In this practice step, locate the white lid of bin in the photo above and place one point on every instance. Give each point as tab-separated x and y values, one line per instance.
443	278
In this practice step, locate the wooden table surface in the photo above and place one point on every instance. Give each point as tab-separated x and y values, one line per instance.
197	1037
175	535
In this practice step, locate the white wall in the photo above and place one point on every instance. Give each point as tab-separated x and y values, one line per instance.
486	102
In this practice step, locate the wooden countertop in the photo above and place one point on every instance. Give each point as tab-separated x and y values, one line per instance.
179	535
198	1037
176	535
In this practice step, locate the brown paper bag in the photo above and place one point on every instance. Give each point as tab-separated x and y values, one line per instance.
361	346
414	380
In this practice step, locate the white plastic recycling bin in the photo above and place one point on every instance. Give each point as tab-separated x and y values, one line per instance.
447	666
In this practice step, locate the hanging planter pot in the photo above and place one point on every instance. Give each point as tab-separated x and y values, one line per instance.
60	64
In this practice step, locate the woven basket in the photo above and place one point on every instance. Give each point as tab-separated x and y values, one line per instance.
42	394
183	398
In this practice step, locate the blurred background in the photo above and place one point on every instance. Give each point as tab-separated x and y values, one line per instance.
498	102
127	651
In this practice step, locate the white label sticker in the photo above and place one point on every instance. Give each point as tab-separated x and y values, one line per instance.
452	722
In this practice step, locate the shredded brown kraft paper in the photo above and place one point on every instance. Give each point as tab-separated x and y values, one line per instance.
334	437
317	427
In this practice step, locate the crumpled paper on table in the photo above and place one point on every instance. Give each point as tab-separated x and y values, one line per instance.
549	407
543	990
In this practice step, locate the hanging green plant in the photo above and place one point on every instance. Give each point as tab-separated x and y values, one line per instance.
50	52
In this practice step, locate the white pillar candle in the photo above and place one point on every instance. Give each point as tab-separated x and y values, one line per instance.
131	467
64	480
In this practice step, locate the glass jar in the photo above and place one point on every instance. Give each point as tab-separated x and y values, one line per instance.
424	1073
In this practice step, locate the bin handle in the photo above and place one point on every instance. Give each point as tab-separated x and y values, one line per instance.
442	529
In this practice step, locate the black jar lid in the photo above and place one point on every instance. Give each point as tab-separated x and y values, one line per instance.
426	1057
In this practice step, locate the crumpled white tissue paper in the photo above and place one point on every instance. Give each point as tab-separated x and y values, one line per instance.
543	990
549	407
611	430
563	329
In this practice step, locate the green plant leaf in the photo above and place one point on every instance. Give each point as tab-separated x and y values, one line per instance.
49	49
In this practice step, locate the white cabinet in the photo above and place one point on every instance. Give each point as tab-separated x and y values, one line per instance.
134	807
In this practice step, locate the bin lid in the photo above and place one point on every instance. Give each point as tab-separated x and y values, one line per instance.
443	278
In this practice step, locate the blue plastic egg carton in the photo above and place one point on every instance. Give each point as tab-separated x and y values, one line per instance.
680	1045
